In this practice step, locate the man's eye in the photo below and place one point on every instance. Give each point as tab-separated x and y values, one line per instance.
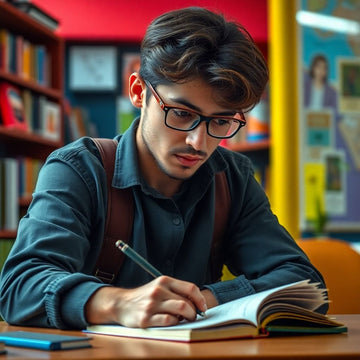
182	113
221	122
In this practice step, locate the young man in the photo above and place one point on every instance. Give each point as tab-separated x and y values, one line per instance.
198	74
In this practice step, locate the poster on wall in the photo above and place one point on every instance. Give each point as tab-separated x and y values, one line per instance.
335	182
349	84
319	133
329	79
92	68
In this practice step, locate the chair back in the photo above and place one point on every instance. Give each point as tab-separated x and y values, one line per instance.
339	264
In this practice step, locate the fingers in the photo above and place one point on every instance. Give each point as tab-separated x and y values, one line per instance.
188	291
163	302
187	299
154	305
160	320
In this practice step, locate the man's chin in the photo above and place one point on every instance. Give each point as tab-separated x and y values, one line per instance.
184	174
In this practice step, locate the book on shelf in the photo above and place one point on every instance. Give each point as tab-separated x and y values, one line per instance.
38	115
24	58
3	49
18	177
10	211
12	107
288	309
78	123
37	13
28	106
50	118
43	341
2	197
29	169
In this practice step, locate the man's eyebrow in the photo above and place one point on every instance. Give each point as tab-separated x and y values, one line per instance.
184	102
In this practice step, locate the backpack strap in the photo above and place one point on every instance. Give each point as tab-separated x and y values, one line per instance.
120	226
222	213
119	218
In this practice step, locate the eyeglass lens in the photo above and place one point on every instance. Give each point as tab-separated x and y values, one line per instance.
185	120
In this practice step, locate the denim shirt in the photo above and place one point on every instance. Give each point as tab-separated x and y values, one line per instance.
48	276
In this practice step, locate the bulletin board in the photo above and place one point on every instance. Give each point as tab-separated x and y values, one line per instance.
329	121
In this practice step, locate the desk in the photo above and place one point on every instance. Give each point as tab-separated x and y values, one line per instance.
338	346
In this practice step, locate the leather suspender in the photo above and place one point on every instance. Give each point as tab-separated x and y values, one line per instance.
222	214
120	218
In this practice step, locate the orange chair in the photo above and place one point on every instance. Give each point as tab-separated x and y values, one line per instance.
339	264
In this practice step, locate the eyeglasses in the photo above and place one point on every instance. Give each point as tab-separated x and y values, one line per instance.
177	118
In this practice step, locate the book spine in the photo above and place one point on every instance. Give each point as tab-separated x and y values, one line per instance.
29	343
43	18
26	60
11	207
20	56
4	48
2	196
12	53
41	65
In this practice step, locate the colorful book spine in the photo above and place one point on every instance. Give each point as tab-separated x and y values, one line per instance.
20	56
11	208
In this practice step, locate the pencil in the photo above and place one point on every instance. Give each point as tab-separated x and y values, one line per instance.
138	259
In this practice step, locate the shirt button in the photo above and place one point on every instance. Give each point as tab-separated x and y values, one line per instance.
176	220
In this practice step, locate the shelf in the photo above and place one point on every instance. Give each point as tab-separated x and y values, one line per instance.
18	22
22	24
6	234
31	85
250	146
17	143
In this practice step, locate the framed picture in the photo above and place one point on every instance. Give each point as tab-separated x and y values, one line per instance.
12	107
349	84
51	120
93	68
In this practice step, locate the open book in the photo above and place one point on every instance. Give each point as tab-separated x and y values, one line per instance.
285	309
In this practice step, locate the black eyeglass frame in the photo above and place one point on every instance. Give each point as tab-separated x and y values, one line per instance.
166	108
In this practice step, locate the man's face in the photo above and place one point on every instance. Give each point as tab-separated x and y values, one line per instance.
176	154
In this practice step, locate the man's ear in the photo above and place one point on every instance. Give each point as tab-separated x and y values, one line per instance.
136	89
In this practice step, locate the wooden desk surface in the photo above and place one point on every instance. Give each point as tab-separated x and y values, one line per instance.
338	346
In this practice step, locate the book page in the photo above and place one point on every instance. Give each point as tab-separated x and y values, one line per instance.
244	309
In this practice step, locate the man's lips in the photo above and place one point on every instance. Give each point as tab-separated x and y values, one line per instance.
187	160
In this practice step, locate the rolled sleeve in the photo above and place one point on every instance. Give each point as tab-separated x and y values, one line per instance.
225	291
65	300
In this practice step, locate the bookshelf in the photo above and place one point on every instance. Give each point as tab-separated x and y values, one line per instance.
250	146
31	143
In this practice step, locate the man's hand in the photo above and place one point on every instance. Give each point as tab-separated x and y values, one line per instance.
209	298
162	302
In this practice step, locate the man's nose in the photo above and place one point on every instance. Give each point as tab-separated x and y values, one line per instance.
197	137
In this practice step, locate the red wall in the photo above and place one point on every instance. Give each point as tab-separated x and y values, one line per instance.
120	20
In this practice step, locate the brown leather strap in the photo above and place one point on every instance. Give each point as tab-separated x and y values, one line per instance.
119	218
222	213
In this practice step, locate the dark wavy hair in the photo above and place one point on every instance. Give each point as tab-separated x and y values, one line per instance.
194	42
317	59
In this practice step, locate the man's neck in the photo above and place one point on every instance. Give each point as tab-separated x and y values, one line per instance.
153	175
